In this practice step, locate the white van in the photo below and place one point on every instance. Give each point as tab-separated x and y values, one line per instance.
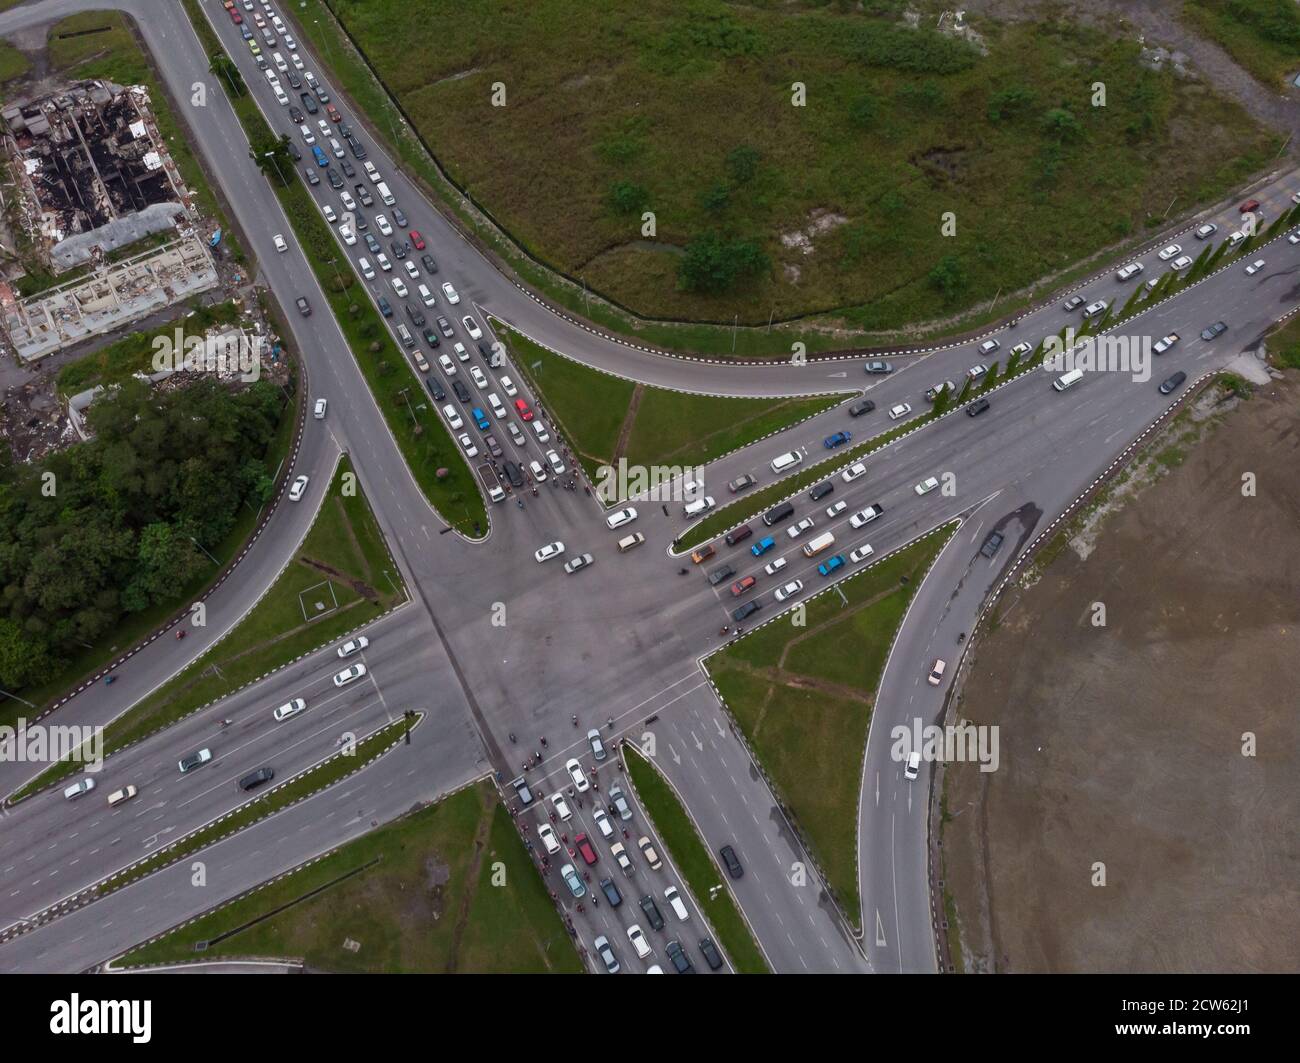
698	507
367	270
788	460
498	407
280	97
817	545
371	172
1069	380
124	794
404	334
384	194
337	148
426	296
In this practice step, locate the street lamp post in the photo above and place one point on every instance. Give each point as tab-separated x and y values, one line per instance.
280	173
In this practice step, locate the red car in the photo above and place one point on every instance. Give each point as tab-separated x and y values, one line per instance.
583	845
236	17
333	112
525	414
742	585
1249	206
417	241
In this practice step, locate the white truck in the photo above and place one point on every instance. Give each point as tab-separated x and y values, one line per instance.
491	482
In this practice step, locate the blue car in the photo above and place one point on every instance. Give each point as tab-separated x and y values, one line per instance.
836	440
319	156
762	546
830	565
480	419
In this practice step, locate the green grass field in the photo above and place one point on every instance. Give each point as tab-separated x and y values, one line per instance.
1263	36
13	64
342	565
593	410
803	695
692	856
447	889
686	110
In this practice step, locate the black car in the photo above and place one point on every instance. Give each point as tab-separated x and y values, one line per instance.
345	130
740	483
720	573
444	326
399	218
652	915
357	150
611	892
728	855
1173	383
977	407
462	393
710	952
991	544
385	307
860	407
1212	331
294	80
678	957
304	307
348	169
746	610
778	513
254	779
435	387
334	179
821	490
737	535
431	338
309	102
321	94
309	172
364	196
371	243
359	220
494	449
293	150
416	316
1072	303
399	249
428	263
295	115
513	474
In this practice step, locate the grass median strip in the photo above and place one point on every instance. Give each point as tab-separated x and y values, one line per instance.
803	696
340	578
418	895
606	418
692	856
434	458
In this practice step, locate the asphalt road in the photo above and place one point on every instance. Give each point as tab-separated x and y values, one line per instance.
493	644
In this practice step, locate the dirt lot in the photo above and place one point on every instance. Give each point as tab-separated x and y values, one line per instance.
1123	744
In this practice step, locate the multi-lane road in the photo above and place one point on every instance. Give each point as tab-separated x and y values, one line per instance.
495	644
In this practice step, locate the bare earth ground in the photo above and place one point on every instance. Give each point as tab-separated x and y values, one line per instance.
1123	744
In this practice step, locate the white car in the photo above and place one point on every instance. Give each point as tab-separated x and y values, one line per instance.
381	223
789	590
399	286
936	671
557	466
574	769
837	509
516	434
349	237
508	386
548	839
549	551
1254	267
623	516
1129	271
774	566
861	553
674	900
927	485
853	472
321	405
426	296
913	768
989	346
1208	229
1022	348
1164	343
82	786
280	245
1181	262
976	371
797	529
330	216
479	379
412	270
561	807
1294	238
602	823
471	451
901	410
384	262
448	366
350	675
637	937
289	708
461	353
538	470
471	326
865	516
298	489
498	407
352	646
1166	253
452	295
345	197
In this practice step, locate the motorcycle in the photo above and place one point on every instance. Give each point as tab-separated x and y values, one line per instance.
519	502
534	490
109	679
181	633
574	719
